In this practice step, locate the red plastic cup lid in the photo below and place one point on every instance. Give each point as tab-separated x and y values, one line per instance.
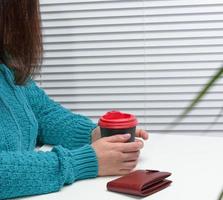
117	120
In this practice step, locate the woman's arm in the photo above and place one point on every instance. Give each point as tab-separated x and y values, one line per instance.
31	173
57	125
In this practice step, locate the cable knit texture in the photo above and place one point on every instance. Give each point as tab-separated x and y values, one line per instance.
27	117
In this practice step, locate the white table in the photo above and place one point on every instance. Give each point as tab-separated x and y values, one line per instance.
196	163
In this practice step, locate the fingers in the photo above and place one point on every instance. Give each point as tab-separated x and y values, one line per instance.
139	140
118	138
142	134
130	146
125	137
132	156
129	165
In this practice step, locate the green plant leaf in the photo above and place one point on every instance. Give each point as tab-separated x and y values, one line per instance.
198	98
203	92
221	196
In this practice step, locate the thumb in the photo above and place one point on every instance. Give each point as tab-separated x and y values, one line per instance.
118	138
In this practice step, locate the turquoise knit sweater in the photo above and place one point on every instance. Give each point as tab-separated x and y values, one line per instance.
27	117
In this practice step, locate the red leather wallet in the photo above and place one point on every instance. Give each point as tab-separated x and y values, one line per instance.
140	182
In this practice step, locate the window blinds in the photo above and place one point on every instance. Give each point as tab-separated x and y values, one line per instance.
146	57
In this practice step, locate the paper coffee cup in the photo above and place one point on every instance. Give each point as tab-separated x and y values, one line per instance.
116	122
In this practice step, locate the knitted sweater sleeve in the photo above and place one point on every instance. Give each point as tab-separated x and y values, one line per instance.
31	173
58	125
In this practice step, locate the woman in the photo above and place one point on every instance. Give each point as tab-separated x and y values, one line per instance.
29	117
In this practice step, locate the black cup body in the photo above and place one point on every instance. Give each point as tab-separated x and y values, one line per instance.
106	132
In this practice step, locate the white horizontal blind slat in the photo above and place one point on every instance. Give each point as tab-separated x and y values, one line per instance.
148	57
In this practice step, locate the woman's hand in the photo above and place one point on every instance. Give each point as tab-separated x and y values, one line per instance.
115	156
96	134
140	133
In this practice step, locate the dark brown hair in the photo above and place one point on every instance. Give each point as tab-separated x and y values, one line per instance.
20	37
